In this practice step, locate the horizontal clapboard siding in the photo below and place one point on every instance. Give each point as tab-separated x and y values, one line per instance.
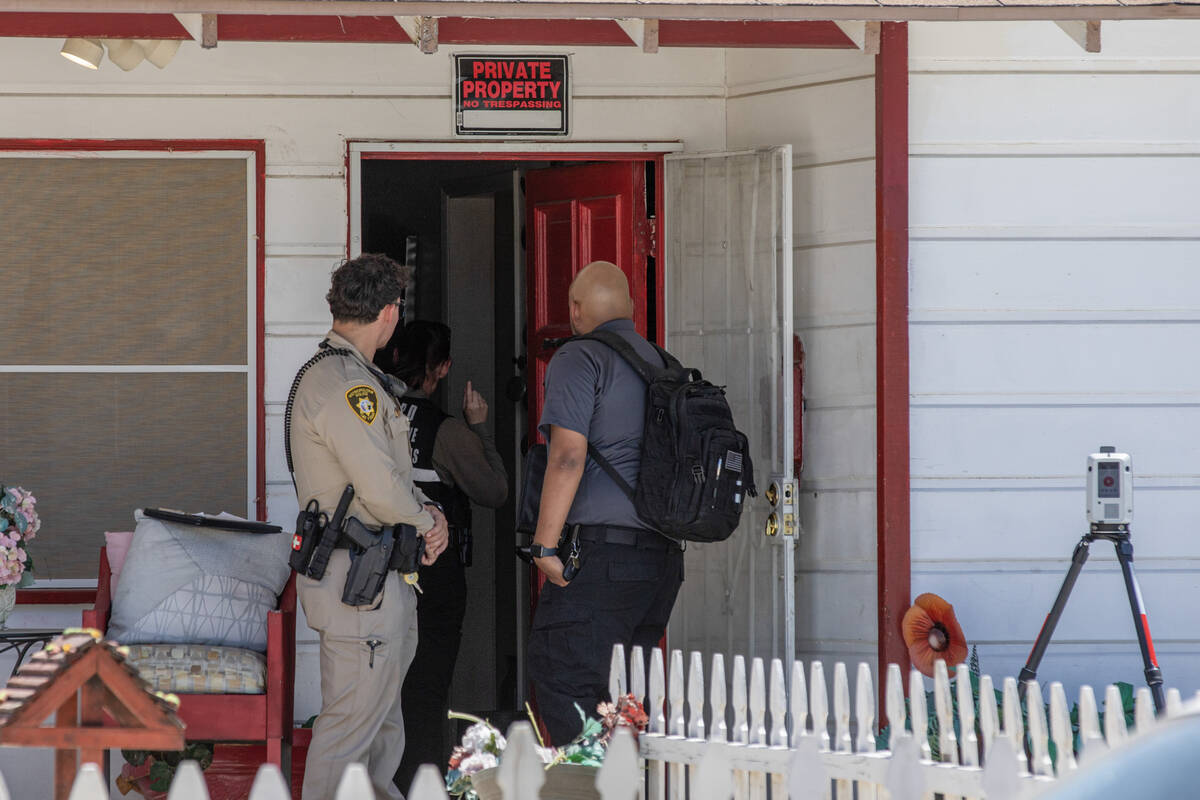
1055	295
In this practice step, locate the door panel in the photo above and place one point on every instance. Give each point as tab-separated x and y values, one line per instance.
576	215
728	279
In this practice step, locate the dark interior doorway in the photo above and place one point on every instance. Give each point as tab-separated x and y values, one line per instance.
458	223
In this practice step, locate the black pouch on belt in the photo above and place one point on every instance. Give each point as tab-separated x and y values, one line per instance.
370	554
310	524
406	555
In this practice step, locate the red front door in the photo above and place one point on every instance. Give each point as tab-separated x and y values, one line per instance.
573	216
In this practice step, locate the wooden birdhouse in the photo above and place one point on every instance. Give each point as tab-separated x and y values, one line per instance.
98	702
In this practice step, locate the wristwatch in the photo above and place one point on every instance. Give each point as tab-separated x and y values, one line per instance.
541	551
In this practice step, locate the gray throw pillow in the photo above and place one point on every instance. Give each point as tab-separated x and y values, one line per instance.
198	585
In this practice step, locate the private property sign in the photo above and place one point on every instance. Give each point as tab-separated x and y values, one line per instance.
510	95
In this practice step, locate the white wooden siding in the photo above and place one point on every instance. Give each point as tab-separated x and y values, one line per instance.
822	103
1055	297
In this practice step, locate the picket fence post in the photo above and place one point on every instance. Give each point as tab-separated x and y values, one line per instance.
188	783
270	785
427	784
89	784
619	776
1114	717
521	773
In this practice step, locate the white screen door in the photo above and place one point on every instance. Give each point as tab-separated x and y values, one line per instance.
728	279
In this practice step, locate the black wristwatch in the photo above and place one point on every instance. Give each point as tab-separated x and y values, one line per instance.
541	551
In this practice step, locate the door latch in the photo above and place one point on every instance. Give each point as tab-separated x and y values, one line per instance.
782	495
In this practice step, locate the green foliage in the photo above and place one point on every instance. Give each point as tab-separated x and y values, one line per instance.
164	763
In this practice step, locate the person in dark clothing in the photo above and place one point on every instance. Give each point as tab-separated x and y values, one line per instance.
455	464
629	574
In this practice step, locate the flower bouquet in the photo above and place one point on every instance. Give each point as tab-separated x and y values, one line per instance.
571	770
19	523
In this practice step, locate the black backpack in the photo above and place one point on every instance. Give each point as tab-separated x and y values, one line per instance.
695	467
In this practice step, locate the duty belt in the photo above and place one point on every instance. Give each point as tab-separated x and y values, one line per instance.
630	537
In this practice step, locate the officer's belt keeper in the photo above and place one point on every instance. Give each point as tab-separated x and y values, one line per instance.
373	553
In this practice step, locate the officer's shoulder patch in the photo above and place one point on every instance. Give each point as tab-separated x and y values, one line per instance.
363	402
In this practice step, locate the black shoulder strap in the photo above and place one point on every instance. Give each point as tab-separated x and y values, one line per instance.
607	466
325	350
645	370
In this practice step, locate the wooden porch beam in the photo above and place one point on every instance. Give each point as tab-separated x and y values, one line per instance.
208	31
865	35
1086	33
893	551
422	31
643	32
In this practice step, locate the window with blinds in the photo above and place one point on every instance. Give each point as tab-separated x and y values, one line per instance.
126	342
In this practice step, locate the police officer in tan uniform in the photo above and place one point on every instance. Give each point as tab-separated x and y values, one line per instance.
345	429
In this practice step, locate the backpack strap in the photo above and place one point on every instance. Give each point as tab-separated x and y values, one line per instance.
607	466
645	370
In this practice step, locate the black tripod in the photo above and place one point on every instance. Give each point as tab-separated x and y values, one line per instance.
1119	535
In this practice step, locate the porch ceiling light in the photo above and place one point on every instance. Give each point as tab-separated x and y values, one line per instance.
125	53
84	52
159	52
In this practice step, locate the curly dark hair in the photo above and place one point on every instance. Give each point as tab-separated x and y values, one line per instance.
362	286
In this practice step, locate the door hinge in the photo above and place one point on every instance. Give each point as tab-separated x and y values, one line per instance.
652	228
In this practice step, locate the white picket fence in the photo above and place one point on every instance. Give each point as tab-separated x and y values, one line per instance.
741	738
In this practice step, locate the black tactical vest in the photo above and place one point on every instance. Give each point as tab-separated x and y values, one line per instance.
424	419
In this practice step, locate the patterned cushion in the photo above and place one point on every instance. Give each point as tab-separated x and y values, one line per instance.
200	669
198	585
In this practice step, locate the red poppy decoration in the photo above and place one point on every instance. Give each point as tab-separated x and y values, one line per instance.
931	632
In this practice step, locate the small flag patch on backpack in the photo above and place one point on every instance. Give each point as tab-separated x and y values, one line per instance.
733	461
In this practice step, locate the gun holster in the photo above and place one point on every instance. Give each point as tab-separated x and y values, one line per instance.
370	555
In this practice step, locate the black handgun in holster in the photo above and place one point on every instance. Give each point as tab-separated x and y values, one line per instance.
370	560
316	535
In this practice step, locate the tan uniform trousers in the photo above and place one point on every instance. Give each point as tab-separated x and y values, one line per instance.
365	653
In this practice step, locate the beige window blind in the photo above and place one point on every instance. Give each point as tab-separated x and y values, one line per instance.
125	372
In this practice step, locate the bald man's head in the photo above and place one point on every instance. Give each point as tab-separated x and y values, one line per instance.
599	294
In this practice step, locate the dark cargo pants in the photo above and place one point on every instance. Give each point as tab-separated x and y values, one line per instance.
622	594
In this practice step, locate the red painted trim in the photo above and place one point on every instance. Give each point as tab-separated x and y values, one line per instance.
256	146
308	28
460	30
759	33
451	30
98	26
82	596
543	155
891	340
660	305
260	344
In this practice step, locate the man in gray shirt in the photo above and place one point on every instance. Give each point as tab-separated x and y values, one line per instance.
629	574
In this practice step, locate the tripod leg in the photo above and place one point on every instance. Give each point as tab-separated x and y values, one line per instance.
1078	558
1141	623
